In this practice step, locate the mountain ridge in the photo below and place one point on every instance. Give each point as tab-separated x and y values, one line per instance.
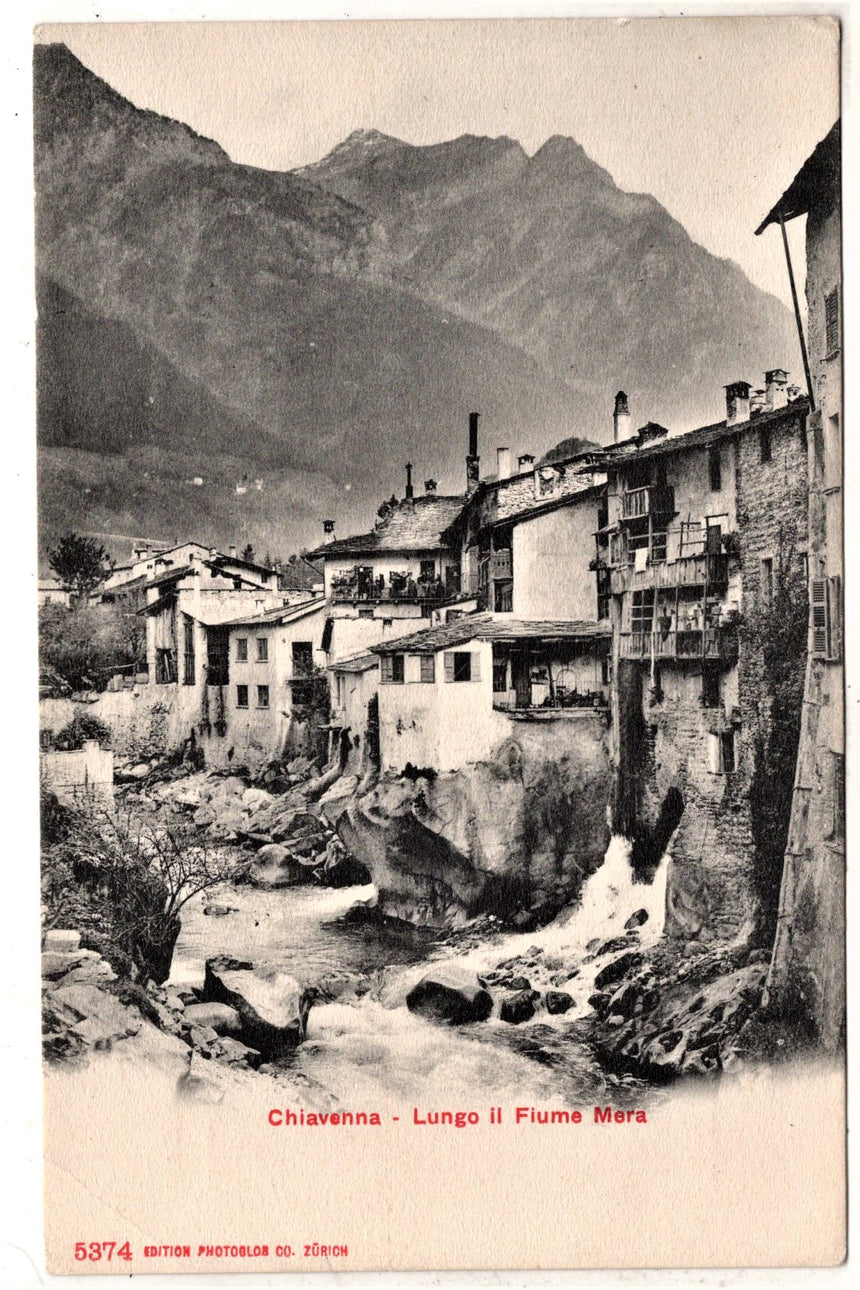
330	322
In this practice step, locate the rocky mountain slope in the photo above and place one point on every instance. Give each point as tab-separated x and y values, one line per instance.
603	287
313	330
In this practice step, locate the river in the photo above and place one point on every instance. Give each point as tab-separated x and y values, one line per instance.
371	1050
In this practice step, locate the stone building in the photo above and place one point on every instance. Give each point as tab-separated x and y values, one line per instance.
807	977
705	547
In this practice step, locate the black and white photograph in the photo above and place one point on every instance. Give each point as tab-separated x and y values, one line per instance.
441	635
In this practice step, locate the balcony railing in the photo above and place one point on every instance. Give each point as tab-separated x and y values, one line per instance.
712	643
501	564
690	571
407	592
637	503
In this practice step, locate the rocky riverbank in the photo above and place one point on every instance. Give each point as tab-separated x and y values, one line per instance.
647	1009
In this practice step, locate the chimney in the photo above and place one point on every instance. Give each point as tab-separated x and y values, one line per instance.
776	392
328	527
737	403
430	485
621	418
525	461
473	461
232	550
213	553
757	401
504	467
410	491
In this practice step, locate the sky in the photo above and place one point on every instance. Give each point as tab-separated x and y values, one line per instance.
712	116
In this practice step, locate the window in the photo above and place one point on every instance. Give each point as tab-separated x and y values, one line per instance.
503	598
303	658
767	582
428	570
500	675
831	323
242	649
241	696
710	688
262	649
462	666
837	830
826	617
727	751
393	669
722	752
428	669
715	468
606	670
642	611
165	667
262	696
764	443
365	613
188	675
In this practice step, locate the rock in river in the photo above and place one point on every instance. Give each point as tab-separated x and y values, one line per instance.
450	994
272	1006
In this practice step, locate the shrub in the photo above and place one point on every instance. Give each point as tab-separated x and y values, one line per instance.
124	882
83	726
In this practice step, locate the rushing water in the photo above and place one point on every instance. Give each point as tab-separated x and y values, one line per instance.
371	1050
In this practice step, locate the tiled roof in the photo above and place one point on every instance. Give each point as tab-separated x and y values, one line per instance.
278	616
818	174
299	575
355	663
411	525
619	454
487	627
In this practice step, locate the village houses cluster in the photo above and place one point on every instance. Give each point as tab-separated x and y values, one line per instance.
619	586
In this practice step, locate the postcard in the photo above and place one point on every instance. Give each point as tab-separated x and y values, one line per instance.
441	689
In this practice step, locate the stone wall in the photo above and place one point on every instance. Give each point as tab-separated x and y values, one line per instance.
721	882
85	775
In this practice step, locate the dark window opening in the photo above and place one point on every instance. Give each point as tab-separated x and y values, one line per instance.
727	751
365	613
710	688
262	696
767	582
262	649
428	570
764	443
500	676
241	696
188	676
242	649
165	667
398	668
462	667
715	468
503	600
303	658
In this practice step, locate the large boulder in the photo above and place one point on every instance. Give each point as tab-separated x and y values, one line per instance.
276	866
515	836
223	1019
273	1007
519	1007
450	994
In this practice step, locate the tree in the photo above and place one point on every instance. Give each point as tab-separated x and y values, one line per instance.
87	646
80	563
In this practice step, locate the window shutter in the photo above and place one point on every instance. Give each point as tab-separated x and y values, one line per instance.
831	322
428	669
820	611
834	614
449	668
475	668
387	673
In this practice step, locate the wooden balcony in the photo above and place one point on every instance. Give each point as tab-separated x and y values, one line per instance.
404	593
702	571
638	503
714	644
